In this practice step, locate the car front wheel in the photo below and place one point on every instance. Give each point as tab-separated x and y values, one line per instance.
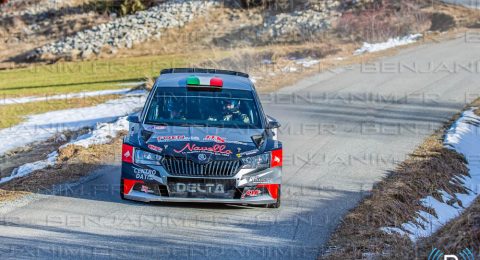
278	203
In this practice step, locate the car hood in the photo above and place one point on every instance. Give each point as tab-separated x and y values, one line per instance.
213	143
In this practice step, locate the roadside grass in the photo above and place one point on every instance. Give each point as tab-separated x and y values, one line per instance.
395	200
7	195
71	77
13	114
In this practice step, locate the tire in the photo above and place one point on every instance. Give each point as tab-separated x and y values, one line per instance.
277	204
122	196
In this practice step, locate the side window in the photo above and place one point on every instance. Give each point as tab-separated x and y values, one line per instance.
146	106
259	113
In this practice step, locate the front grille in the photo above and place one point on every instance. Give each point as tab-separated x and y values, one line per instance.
185	167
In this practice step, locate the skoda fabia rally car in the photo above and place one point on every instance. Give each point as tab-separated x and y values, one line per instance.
202	136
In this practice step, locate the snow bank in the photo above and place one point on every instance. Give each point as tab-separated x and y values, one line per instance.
463	137
22	100
28	168
102	134
43	126
390	43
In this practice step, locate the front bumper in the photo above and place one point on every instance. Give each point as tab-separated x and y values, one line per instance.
267	181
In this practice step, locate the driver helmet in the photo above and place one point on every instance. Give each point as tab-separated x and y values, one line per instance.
174	108
232	105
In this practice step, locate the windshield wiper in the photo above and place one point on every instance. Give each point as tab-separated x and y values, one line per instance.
194	125
154	123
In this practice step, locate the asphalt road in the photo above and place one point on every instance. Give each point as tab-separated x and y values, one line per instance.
342	131
467	3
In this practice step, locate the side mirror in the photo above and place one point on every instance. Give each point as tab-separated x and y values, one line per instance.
133	119
274	124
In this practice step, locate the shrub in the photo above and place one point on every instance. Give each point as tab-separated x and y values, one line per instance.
131	7
120	7
275	5
382	21
442	22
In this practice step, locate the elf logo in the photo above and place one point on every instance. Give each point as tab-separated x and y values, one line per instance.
465	254
277	158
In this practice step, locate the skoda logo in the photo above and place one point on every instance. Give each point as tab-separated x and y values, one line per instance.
202	157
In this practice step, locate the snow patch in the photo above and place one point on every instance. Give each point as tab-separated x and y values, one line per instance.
307	63
23	100
28	168
390	43
267	61
289	69
463	137
131	84
43	126
102	134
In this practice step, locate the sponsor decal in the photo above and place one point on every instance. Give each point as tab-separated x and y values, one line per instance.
247	153
200	187
237	142
160	127
256	179
169	138
251	193
128	185
144	174
173	138
215	149
214	138
146	189
222	140
127	153
154	148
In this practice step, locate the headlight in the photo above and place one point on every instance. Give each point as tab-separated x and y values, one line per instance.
255	162
144	157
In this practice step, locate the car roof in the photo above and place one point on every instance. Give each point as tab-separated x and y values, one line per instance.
179	80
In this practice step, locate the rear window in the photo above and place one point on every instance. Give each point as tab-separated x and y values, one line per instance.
199	107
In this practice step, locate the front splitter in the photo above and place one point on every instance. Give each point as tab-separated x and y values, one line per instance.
141	196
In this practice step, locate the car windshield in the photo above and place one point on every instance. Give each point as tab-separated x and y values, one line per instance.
203	107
